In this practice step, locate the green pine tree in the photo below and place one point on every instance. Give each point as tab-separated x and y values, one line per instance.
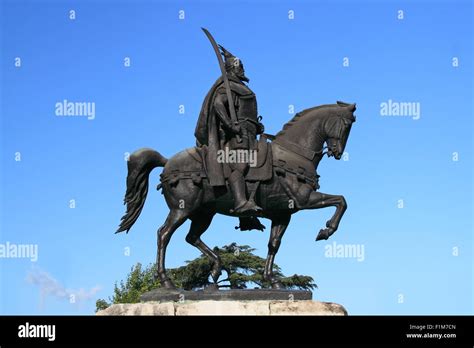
240	266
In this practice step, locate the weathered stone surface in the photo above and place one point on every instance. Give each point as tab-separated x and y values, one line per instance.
226	308
150	308
223	308
306	308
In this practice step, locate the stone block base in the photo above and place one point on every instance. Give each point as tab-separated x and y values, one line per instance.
226	308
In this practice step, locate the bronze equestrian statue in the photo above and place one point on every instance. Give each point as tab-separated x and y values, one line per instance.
283	180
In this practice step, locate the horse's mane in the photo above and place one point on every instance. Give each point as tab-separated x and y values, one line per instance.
300	115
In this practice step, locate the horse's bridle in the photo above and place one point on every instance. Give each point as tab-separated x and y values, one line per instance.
342	136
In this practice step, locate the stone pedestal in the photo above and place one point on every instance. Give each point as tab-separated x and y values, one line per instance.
211	307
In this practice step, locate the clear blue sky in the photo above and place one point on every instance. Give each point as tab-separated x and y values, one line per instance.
408	251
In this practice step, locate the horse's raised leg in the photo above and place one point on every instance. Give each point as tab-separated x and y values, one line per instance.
175	218
199	225
319	200
279	224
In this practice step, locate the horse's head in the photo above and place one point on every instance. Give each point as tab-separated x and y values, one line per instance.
337	128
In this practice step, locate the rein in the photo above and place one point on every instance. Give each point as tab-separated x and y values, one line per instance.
298	149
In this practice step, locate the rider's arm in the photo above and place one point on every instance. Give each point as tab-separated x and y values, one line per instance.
220	105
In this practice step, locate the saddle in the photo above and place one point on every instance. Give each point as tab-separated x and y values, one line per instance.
263	171
196	170
271	158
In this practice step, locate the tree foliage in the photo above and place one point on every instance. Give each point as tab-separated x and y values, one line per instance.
241	269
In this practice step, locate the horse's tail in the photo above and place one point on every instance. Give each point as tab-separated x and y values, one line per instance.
140	164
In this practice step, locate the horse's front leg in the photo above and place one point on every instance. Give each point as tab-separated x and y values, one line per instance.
318	200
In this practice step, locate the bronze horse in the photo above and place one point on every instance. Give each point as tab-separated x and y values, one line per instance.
297	150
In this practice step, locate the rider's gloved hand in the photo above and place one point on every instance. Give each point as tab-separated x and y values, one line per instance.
235	129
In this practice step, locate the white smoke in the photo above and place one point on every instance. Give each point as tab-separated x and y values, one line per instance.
49	286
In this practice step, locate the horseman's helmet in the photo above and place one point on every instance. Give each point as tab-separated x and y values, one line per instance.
233	65
230	60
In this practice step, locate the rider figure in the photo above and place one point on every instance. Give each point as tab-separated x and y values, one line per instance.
216	129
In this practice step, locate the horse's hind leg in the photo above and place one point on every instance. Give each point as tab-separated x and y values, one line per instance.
279	225
175	218
200	223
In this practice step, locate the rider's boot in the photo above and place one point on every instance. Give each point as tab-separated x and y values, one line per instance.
241	206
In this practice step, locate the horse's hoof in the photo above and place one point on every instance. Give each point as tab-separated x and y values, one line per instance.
323	234
168	284
277	285
211	288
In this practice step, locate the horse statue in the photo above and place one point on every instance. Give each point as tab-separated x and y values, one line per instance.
289	183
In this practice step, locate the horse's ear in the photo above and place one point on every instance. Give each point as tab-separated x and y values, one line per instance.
351	107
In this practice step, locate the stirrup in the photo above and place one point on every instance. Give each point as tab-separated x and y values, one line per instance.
248	208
